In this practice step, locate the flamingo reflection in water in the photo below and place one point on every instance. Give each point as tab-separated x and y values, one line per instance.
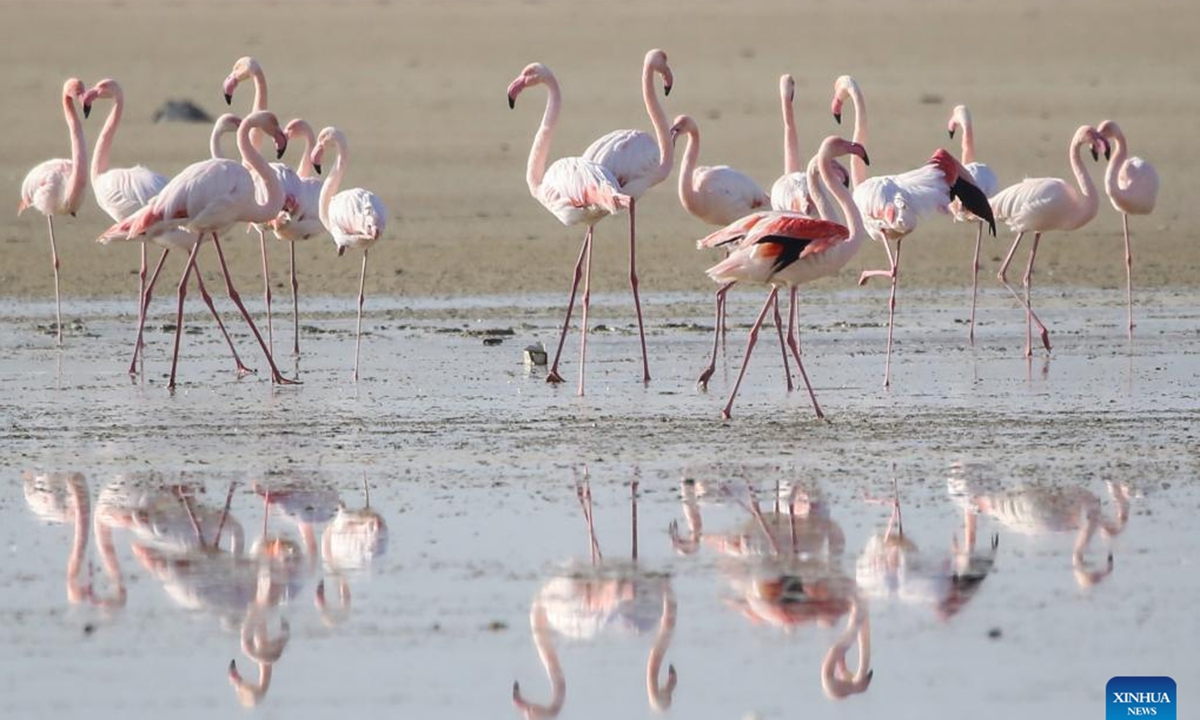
785	568
892	567
61	498
587	600
1038	509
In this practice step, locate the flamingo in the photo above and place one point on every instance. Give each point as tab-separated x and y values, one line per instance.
985	180
1132	187
790	191
788	250
1040	205
64	498
120	192
355	218
56	187
846	88
208	197
640	162
893	205
575	190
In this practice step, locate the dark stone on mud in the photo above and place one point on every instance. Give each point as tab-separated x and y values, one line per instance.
994	633
181	111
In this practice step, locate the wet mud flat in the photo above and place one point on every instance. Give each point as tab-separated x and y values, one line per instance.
450	482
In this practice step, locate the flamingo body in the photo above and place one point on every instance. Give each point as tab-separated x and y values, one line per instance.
46	188
579	191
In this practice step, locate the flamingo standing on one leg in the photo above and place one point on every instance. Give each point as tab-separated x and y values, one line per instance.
788	250
574	190
1039	205
56	187
355	218
209	197
1132	187
985	180
640	162
893	205
120	192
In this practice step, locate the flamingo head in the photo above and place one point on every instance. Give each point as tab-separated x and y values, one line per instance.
1111	132
842	88
1086	134
106	88
656	59
227	123
300	129
835	146
327	136
533	74
243	69
963	188
787	88
73	89
266	121
960	117
684	125
841	174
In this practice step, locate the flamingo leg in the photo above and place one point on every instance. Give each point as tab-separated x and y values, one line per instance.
633	283
137	348
262	243
753	338
887	364
295	299
240	368
975	280
793	316
583	491
1027	282
586	303
276	376
1003	277
633	543
145	307
187	270
712	365
553	376
787	370
804	375
1128	272
362	280
57	301
868	274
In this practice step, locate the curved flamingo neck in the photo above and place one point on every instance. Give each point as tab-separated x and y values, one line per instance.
835	675
660	697
1087	190
816	190
791	142
549	658
850	211
305	169
269	208
214	142
1116	161
535	170
260	101
858	168
330	187
662	127
107	133
968	137
687	167
77	180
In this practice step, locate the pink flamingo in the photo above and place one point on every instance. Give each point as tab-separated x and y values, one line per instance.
846	88
640	162
1040	205
1132	187
209	197
575	190
985	180
790	191
56	187
120	192
355	218
65	498
893	205
788	250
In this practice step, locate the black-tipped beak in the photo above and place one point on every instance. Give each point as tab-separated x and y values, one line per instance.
279	152
512	102
846	182
838	117
341	251
1107	151
228	99
974	200
666	89
317	168
1095	155
951	131
87	110
866	160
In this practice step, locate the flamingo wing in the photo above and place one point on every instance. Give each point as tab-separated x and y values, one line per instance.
1032	204
733	232
774	244
45	185
790	194
573	185
1138	181
630	155
728	194
984	178
356	217
121	192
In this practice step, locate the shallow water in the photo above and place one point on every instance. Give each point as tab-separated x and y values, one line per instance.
476	531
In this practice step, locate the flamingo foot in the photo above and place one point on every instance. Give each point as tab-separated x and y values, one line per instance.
1046	339
702	382
553	377
243	371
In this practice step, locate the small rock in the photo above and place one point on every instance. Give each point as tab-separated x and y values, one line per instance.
994	633
492	341
181	111
497	626
89	628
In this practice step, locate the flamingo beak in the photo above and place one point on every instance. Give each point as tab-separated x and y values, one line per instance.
666	89
229	86
1107	150
1095	155
837	116
341	251
512	102
514	89
87	110
951	131
317	168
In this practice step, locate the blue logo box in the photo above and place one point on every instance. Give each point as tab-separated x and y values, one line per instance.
1147	697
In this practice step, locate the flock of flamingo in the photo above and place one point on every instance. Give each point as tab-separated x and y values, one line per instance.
791	236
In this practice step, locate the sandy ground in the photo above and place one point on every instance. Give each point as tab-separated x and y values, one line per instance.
418	87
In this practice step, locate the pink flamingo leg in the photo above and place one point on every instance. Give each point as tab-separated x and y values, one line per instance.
262	242
583	491
1128	271
894	274
975	281
553	376
633	283
753	338
241	369
1027	281
187	270
787	370
57	302
1003	277
362	281
800	364
633	543
276	376
793	338
586	302
702	383
145	306
137	348
295	299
